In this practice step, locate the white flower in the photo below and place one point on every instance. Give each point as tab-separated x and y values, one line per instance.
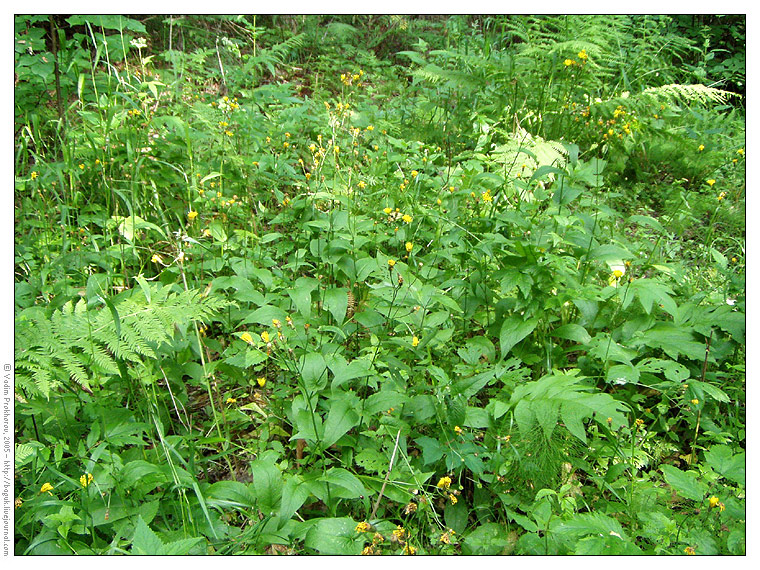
730	302
139	43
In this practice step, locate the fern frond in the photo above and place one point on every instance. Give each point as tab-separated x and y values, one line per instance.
86	343
675	93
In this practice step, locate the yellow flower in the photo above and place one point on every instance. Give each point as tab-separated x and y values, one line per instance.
711	182
582	54
370	128
363	527
453	499
368	551
191	215
740	152
18	502
689	550
415	341
81	167
569	62
614	279
407	218
409	550
399	532
444	483
265	336
714	502
391	263
414	173
701	148
409	246
721	196
362	184
457	429
336	149
486	196
46	488
231	400
85	479
34	175
695	401
156	258
261	381
387	210
639	422
246	337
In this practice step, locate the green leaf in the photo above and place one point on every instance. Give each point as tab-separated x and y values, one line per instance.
350	486
572	331
672	339
336	301
335	537
489	539
712	391
609	252
183	546
621	374
294	495
344	371
648	291
300	293
341	418
684	482
723	460
313	371
583	524
431	448
267	484
513	330
231	493
456	516
144	540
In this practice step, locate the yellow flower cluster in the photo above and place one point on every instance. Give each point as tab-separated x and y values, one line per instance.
444	483
349	79
85	479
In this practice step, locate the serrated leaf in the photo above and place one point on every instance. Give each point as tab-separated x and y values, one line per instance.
144	540
684	482
723	460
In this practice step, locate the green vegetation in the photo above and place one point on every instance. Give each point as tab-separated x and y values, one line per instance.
380	285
